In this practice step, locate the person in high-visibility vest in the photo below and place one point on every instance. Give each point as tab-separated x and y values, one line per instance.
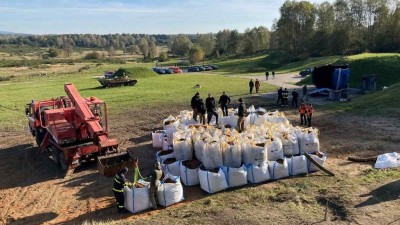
310	112
118	188
302	111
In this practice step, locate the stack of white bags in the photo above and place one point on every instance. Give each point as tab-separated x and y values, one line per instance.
269	148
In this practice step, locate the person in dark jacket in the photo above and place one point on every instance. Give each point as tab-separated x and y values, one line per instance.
224	101
241	114
195	105
118	188
295	96
266	75
155	177
251	86
285	97
273	74
210	105
202	111
280	98
304	93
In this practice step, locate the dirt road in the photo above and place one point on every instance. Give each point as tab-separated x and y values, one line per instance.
34	191
287	80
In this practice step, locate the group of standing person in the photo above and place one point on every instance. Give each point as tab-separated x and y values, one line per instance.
267	75
200	108
283	96
252	85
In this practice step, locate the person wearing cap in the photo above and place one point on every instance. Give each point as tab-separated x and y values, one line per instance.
118	188
155	177
195	105
241	114
210	105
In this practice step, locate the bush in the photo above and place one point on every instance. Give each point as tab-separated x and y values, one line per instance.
92	55
163	57
53	52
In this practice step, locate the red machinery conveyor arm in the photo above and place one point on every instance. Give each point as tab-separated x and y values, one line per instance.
87	118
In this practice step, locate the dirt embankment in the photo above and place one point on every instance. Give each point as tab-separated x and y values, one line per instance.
34	191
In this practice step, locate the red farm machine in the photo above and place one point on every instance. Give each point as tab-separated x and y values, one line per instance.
72	129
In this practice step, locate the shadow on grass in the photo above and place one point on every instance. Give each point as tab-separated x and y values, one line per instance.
385	193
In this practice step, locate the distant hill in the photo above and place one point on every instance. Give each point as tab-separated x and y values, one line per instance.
4	33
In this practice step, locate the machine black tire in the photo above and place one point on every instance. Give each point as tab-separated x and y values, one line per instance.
39	135
55	155
63	163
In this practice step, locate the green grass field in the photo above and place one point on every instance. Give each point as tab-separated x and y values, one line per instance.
148	91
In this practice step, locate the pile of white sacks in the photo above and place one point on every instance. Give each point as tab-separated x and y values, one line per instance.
270	148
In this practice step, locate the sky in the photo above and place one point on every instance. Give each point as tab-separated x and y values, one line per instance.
135	16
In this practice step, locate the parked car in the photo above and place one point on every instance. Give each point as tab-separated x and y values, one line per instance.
207	68
201	68
168	71
175	69
160	71
214	67
306	72
193	69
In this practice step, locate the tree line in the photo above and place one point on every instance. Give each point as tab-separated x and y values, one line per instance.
303	29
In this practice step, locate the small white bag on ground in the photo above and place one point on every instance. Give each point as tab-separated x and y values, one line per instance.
275	149
297	165
388	160
171	166
257	174
320	158
290	144
137	199
170	191
278	169
162	155
212	182
190	176
158	138
235	177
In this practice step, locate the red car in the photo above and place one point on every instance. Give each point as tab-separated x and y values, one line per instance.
175	69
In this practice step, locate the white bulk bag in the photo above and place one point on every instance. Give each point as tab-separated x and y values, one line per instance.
232	154
158	138
212	182
275	149
170	193
137	199
183	149
257	174
290	144
246	149
170	122
166	143
199	148
189	176
233	119
258	120
172	168
297	165
235	177
309	141
162	155
388	160
259	154
278	170
212	156
320	159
